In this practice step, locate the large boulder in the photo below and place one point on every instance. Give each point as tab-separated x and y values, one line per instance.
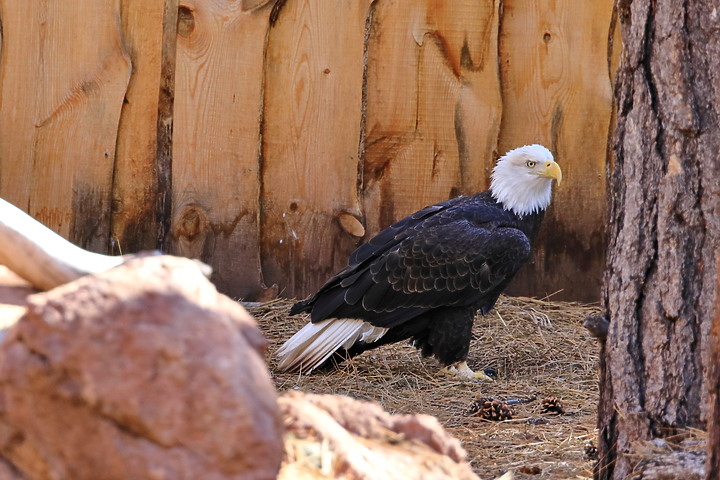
142	372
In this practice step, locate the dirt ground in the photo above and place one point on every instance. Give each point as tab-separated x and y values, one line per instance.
538	349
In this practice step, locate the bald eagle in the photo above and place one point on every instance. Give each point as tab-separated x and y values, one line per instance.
424	277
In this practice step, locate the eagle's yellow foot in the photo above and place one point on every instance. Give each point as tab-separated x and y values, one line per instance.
461	371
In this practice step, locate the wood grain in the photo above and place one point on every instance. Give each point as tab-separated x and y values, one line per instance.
135	190
557	91
433	105
269	138
216	133
312	115
65	73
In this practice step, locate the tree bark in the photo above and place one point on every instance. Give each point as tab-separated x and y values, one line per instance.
713	449
660	283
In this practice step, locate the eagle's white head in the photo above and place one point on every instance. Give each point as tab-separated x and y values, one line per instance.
522	179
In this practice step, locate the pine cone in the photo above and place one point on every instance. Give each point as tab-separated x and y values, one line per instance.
476	405
590	451
491	409
552	405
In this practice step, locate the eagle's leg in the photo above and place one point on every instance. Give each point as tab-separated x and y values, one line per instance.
449	331
463	372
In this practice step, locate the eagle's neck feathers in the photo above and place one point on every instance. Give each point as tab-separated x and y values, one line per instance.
519	197
515	188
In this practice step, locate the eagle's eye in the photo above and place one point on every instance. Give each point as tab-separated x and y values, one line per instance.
530	164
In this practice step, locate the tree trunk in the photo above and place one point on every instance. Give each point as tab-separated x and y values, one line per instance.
713	380
660	283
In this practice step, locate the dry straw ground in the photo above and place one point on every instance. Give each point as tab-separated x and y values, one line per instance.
538	348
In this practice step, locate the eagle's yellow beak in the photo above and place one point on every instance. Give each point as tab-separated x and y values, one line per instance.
551	170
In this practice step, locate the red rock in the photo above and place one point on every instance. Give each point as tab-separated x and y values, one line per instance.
345	438
142	372
8	472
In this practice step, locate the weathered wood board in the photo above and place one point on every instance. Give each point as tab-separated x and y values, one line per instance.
216	138
64	76
311	136
556	91
146	27
433	105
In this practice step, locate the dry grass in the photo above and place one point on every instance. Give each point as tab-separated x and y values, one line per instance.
538	348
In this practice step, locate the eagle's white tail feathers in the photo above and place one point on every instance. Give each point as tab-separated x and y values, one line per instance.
316	342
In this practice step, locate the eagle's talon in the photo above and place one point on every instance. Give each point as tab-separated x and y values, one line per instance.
461	371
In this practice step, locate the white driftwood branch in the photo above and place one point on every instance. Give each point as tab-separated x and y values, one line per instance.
41	256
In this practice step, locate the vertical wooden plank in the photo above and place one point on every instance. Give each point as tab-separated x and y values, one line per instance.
312	121
433	105
149	29
557	91
65	73
18	103
215	165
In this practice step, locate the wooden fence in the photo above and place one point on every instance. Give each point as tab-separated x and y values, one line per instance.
269	138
